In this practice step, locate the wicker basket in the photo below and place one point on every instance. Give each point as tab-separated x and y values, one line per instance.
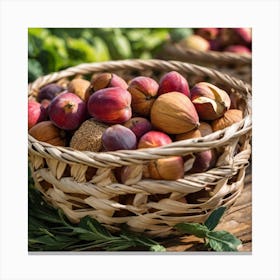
152	206
236	65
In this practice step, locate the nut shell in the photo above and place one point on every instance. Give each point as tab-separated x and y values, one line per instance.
230	117
203	130
168	168
88	136
210	101
174	113
104	80
47	132
79	87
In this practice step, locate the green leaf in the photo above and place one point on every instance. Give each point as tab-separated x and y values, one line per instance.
155	38
80	51
94	228
222	241
214	218
54	54
193	228
34	69
66	32
145	55
39	32
157	248
178	34
136	34
34	45
101	49
45	239
120	47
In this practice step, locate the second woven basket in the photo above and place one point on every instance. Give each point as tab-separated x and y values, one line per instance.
236	65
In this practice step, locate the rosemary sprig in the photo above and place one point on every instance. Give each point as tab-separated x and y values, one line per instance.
50	230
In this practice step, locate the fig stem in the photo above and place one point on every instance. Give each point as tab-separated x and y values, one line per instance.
69	107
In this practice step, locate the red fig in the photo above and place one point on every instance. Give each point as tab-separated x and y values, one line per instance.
118	137
139	126
245	34
153	139
234	36
67	111
49	92
173	81
143	91
36	113
204	161
110	105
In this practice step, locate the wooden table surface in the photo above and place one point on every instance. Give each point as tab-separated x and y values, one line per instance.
238	221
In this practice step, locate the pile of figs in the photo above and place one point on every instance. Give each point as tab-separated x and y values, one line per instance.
109	113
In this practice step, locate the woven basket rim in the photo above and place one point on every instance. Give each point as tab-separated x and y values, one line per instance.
126	157
83	68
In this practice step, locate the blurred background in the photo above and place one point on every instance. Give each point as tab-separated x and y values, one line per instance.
54	49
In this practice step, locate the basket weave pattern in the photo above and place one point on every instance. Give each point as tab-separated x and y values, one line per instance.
64	175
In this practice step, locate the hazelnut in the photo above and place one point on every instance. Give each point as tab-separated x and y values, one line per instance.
203	130
230	117
169	168
79	87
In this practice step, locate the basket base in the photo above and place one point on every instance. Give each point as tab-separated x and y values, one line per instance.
158	217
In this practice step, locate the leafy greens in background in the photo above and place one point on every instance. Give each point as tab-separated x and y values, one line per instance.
54	49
